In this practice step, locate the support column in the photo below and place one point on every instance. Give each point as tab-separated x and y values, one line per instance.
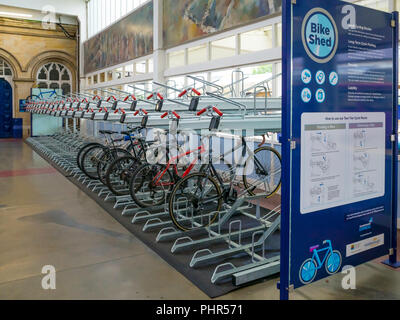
159	56
22	89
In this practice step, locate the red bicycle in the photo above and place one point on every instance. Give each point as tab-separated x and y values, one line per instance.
151	183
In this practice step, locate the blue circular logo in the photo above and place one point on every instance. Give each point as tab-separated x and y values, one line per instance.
320	95
306	76
306	95
319	35
320	77
333	78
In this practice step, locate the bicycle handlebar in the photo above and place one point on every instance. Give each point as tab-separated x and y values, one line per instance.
186	91
141	110
164	115
113	97
158	95
201	112
171	112
218	111
118	110
130	96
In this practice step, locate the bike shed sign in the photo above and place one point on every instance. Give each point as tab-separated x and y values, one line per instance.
339	66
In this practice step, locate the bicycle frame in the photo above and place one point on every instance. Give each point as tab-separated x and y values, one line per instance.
316	254
42	93
245	150
172	162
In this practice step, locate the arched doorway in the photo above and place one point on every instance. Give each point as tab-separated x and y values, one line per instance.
6	112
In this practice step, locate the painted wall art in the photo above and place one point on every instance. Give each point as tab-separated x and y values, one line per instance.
188	20
128	39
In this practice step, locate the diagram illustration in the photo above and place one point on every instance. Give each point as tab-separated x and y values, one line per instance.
361	160
363	183
326	256
320	166
360	139
317	194
322	142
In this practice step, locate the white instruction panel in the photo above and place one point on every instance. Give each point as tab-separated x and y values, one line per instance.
342	159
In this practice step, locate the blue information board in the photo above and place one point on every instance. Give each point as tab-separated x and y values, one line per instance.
339	122
22	105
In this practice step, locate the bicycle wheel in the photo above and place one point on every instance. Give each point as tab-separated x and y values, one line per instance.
90	159
308	271
119	174
333	262
106	159
262	173
82	151
224	169
150	185
195	202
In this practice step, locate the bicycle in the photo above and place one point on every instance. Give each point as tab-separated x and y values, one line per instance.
151	183
197	199
332	259
94	158
120	171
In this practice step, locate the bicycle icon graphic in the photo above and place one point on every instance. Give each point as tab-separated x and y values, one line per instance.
43	94
332	259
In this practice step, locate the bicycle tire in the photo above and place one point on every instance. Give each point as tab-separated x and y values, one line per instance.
246	182
172	203
82	151
85	161
124	176
102	170
154	169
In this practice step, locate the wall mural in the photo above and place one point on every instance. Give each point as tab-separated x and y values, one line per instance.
188	20
130	38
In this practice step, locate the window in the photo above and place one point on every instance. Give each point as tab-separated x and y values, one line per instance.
177	83
55	76
129	71
118	73
279	34
102	13
256	40
197	54
176	59
200	86
139	90
223	78
223	48
151	65
278	80
5	69
141	67
257	74
109	75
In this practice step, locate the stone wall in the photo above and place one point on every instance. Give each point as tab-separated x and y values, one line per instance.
26	47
